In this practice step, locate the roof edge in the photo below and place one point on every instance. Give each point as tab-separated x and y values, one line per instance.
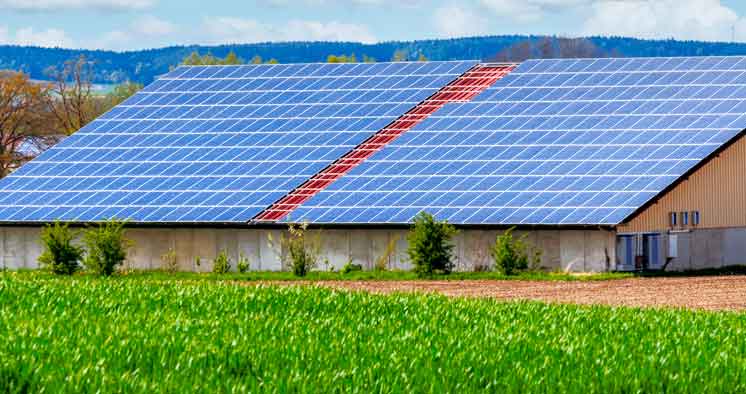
716	153
327	226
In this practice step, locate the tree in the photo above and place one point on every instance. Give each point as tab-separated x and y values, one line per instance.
72	101
122	92
429	245
510	254
336	59
256	59
24	121
106	247
195	59
341	59
578	48
60	255
400	55
232	59
548	48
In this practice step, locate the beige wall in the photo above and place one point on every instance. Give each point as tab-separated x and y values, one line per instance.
717	191
570	250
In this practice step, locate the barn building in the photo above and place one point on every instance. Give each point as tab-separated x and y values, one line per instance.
606	164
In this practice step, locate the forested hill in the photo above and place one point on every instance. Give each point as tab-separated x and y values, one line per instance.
144	65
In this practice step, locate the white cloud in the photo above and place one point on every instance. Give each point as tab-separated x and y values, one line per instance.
526	11
220	30
150	25
456	21
682	19
28	36
61	5
148	28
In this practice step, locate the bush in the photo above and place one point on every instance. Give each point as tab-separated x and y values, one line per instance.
512	254
430	245
243	263
350	267
221	264
106	247
300	251
170	263
60	255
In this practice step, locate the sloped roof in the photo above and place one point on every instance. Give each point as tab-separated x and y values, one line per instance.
572	141
575	141
216	144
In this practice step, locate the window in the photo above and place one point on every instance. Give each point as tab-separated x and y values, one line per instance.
695	218
685	218
672	219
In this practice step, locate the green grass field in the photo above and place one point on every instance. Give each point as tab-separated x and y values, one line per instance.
149	336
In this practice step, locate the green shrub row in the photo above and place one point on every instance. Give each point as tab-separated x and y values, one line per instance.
430	248
105	248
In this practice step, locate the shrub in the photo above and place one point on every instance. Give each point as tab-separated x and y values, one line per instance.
221	264
242	265
106	247
350	267
170	263
512	254
60	255
300	250
430	245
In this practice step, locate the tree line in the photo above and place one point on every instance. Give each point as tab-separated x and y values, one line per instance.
208	59
35	115
146	65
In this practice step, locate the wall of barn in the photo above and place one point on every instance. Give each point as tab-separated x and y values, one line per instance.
590	250
706	248
717	190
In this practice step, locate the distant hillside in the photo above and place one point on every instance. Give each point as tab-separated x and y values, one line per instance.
144	65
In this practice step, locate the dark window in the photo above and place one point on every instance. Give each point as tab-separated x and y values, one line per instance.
672	219
685	218
695	218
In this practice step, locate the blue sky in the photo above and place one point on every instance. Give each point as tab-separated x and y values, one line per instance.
135	24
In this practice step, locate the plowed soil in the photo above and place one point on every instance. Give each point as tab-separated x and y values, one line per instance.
707	292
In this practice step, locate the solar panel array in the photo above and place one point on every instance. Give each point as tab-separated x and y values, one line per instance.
554	142
216	144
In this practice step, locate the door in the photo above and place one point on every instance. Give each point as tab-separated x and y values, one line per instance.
651	249
625	251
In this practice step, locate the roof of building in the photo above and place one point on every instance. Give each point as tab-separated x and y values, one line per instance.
571	141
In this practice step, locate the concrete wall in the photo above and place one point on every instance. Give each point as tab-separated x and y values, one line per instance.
567	250
709	248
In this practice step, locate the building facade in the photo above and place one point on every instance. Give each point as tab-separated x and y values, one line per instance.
607	164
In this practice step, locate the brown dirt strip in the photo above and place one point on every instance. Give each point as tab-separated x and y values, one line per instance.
710	292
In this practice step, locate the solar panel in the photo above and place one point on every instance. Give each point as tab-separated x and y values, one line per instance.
216	144
570	141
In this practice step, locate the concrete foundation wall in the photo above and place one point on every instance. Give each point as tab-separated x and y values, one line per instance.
566	250
709	248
